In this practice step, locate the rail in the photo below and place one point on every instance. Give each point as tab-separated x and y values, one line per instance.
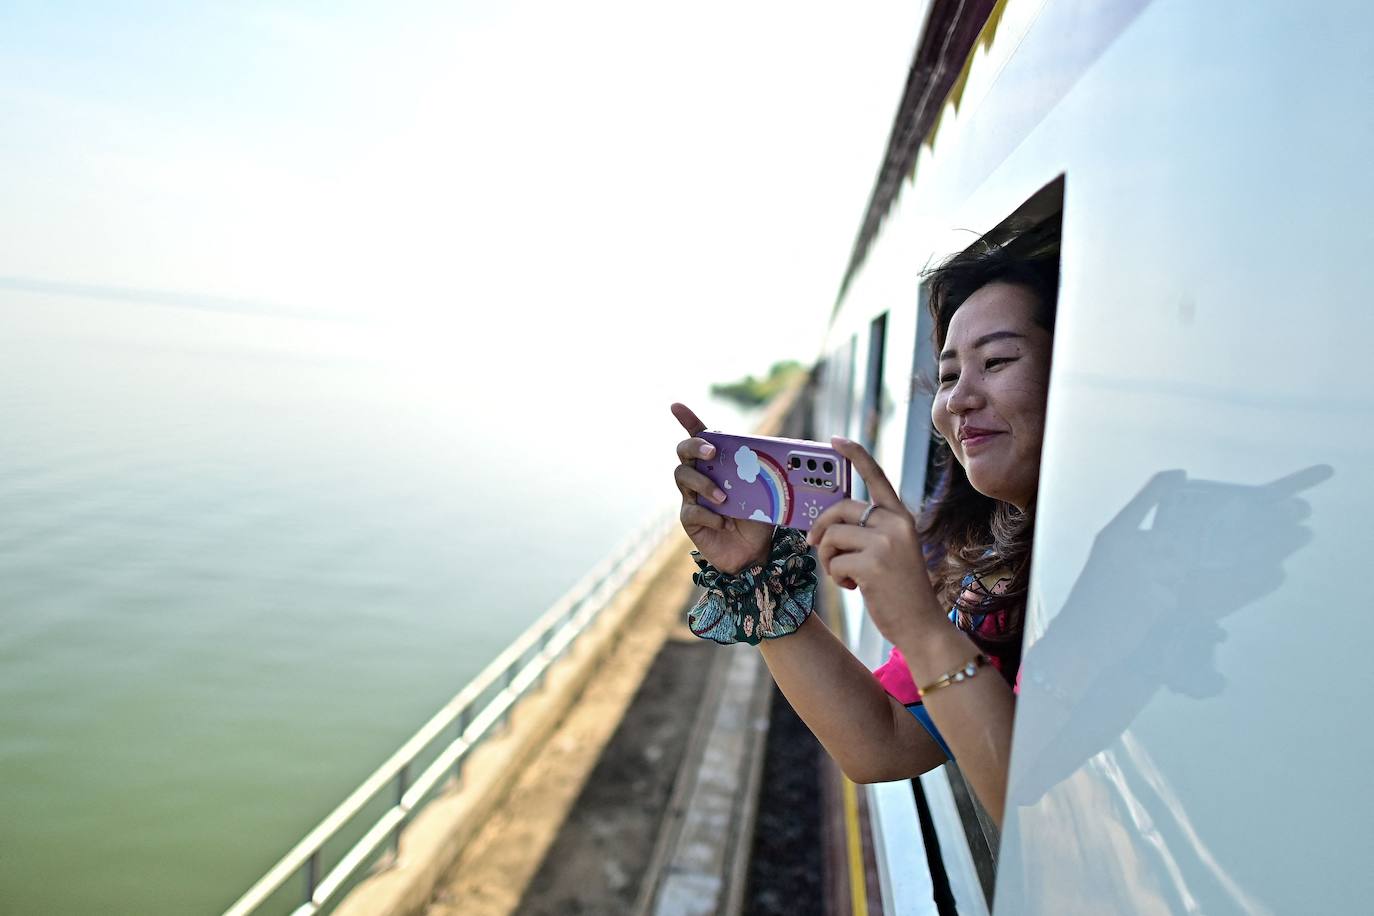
518	670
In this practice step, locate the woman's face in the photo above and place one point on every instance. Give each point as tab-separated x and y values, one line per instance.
990	404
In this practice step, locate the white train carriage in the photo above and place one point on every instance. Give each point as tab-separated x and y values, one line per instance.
1191	735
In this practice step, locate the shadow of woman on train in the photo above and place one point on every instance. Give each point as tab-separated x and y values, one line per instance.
1144	613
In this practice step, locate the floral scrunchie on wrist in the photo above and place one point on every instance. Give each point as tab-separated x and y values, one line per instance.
759	602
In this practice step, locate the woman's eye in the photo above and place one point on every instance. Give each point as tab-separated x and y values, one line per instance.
997	361
949	379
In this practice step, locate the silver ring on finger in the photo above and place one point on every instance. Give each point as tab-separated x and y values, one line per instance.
863	519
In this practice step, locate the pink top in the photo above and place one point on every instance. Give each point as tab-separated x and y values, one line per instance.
895	677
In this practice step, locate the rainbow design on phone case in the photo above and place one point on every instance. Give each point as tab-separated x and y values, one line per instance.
787	482
774	480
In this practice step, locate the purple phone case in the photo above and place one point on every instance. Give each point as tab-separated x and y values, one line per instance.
757	475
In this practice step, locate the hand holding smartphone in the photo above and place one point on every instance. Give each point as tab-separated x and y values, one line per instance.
787	482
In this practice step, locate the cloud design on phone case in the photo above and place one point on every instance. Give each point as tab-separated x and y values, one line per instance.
761	516
747	464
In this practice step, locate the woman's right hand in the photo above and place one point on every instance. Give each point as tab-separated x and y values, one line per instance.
728	544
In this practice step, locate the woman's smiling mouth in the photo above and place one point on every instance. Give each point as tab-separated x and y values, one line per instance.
971	437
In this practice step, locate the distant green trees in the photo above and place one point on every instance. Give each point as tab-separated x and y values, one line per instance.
753	392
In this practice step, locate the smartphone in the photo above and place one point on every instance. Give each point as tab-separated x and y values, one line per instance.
788	482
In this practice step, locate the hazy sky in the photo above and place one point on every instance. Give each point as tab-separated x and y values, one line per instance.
614	189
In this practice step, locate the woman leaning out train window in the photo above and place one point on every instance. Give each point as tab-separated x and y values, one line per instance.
947	587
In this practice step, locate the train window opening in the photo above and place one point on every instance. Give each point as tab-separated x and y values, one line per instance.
1032	231
872	404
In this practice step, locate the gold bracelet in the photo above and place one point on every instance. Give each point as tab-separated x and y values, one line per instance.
962	673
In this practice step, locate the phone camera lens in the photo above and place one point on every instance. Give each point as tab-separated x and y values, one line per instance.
829	466
794	462
811	464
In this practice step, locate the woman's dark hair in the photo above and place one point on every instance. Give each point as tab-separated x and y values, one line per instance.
966	531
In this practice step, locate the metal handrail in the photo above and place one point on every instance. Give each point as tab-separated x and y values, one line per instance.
518	669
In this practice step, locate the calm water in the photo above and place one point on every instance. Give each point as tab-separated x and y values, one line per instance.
242	558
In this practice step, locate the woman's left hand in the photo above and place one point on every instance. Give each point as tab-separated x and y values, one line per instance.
883	557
